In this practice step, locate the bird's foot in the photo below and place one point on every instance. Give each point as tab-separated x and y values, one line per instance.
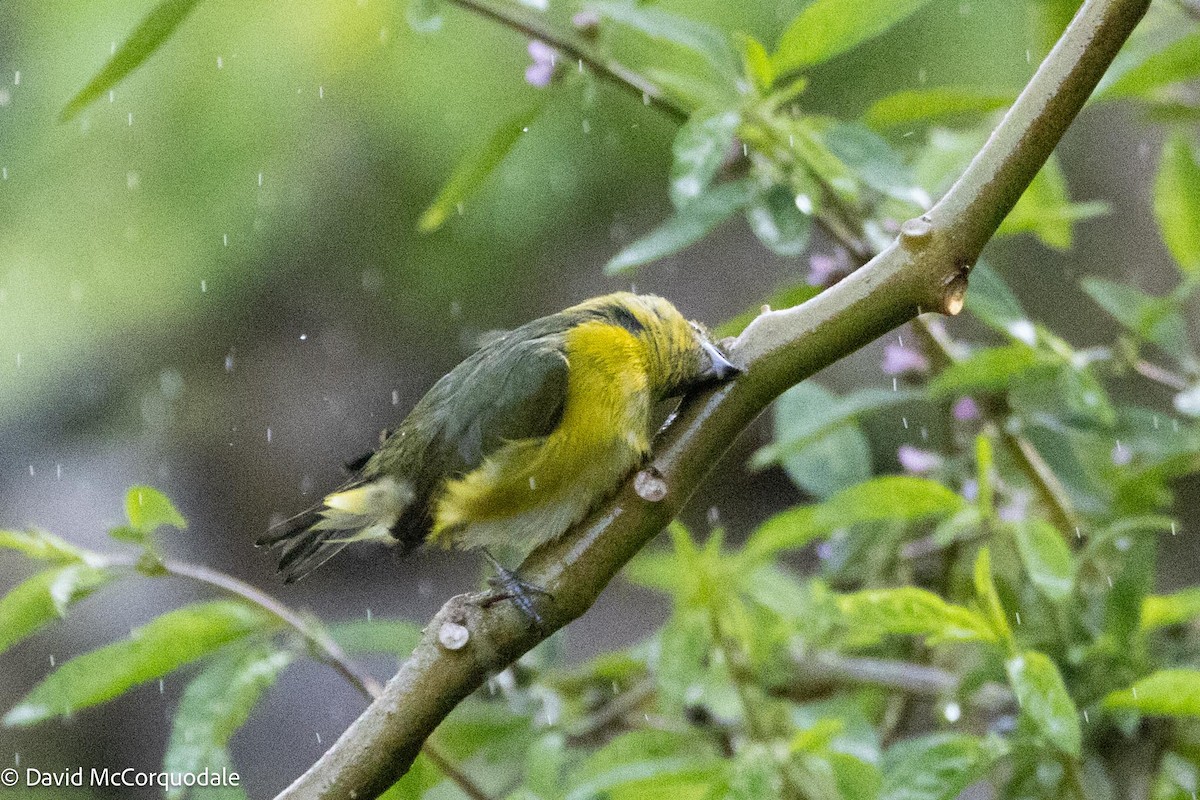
508	585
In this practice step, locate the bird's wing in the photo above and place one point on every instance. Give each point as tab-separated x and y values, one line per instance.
516	390
514	387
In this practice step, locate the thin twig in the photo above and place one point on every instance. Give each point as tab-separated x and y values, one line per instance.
1160	375
576	48
330	651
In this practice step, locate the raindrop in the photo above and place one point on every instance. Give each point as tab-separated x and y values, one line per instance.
304	337
318	737
58	471
904	422
31	470
895	385
5	98
395	397
161	686
132	180
1018	617
1085	719
225	239
3	173
229	363
112	96
320	92
220	62
17	78
1110	583
129	117
268	435
260	179
368	615
18	360
587	126
52	660
203	286
1172	528
952	712
804	203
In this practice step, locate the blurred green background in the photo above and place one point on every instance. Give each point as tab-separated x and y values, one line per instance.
211	281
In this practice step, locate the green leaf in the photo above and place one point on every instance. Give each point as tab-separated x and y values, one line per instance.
475	168
989	599
778	223
700	148
833	460
46	547
420	778
1155	319
153	650
1177	202
1159	611
45	597
912	106
756	62
872	159
990	299
990	369
754	774
146	38
1044	701
648	764
809	410
826	28
1178	61
1046	557
395	636
900	498
908	610
1166	693
936	767
702	40
216	704
1045	210
146	508
685	227
1187	402
818	444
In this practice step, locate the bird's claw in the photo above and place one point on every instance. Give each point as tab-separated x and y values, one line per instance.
508	585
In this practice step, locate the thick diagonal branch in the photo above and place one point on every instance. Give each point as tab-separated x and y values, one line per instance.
924	270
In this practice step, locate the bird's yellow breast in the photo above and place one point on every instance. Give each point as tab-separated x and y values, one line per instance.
530	491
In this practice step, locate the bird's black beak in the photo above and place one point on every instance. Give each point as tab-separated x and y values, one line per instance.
720	367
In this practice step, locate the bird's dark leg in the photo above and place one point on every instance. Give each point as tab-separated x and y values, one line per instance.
507	585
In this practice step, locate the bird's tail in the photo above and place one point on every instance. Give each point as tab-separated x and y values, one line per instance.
360	510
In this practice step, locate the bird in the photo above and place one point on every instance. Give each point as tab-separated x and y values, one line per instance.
518	442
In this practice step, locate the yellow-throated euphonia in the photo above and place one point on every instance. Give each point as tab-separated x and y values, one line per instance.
519	441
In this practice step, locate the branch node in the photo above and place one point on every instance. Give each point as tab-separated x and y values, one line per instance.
954	293
650	485
916	232
453	636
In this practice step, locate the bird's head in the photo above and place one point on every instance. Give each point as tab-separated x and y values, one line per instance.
679	353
